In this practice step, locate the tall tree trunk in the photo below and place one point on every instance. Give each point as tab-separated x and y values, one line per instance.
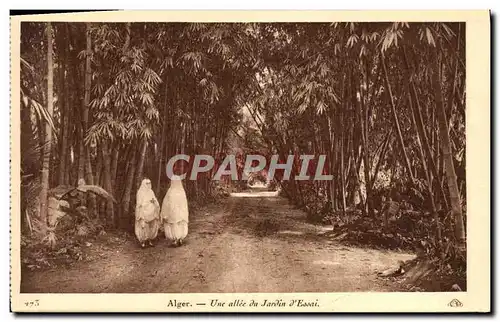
140	164
330	150
84	111
48	130
92	201
110	218
127	37
451	178
81	153
63	134
27	140
342	178
86	102
40	126
66	156
88	79
395	117
114	165
162	147
127	193
421	127
363	121
98	181
70	112
428	176
98	170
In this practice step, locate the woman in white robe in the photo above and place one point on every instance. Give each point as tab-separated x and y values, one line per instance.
147	214
174	212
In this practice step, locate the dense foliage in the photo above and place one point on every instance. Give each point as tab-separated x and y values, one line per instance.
112	102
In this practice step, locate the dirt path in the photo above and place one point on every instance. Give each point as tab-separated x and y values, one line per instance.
228	251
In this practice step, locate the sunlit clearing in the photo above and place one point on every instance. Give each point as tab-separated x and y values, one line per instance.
260	194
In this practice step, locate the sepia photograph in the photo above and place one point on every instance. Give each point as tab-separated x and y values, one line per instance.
244	157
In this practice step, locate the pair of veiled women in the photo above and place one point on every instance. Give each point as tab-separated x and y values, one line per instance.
173	215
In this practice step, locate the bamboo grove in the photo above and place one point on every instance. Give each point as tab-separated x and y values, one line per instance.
112	102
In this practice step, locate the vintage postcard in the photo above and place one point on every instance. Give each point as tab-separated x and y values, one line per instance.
250	161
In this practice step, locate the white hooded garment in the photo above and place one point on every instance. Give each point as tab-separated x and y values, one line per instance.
147	212
174	211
